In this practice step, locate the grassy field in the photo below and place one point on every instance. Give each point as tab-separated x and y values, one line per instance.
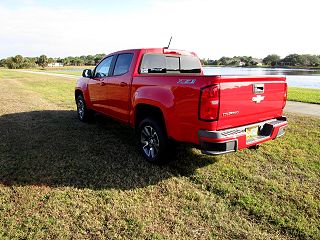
60	178
307	95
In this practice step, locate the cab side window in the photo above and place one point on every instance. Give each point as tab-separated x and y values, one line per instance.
123	64
102	70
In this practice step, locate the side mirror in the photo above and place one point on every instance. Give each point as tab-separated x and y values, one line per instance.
87	73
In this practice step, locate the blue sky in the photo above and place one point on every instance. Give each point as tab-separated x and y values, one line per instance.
210	28
95	6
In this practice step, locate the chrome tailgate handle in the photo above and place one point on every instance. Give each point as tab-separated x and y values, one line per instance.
258	88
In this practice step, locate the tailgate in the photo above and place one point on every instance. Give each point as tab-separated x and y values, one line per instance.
245	100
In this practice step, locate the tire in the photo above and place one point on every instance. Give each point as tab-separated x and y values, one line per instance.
153	142
84	114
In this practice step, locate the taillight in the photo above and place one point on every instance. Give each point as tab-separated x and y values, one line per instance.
285	95
209	103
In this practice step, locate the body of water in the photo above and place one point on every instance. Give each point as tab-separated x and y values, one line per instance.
295	77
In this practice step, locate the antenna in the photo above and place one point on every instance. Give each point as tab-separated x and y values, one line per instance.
169	43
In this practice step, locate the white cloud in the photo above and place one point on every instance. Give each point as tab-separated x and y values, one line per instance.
210	28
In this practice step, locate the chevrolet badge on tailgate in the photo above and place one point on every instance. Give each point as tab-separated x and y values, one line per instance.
257	99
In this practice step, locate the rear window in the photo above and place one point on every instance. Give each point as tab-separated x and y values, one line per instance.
161	63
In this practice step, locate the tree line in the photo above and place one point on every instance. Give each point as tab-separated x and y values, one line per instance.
42	61
294	60
274	60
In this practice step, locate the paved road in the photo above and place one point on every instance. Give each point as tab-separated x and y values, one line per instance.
293	107
50	74
303	108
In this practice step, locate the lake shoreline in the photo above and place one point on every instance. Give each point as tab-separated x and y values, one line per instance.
269	67
295	77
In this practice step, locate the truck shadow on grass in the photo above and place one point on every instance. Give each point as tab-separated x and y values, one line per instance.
53	148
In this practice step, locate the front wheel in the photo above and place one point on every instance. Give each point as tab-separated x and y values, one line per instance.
153	141
84	114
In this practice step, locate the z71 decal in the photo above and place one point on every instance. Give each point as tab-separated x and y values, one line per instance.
186	81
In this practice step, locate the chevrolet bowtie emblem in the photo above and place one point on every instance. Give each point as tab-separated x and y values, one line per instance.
257	99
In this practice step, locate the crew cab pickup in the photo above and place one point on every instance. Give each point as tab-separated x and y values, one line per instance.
165	96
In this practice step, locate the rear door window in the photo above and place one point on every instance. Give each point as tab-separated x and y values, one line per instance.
123	63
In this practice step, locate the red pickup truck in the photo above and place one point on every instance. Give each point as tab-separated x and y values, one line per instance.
165	96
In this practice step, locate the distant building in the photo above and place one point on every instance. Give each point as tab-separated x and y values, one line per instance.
241	64
55	64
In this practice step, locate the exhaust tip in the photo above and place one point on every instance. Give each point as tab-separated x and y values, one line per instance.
254	147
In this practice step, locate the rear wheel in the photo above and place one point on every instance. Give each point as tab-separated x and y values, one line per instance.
84	114
153	141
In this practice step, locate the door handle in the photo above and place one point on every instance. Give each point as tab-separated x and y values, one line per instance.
102	83
123	84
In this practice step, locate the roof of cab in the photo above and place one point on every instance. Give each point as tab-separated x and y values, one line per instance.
157	50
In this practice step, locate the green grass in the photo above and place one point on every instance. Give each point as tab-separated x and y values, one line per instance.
60	178
307	95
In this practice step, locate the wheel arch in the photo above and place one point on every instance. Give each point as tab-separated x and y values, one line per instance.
143	110
77	92
84	92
